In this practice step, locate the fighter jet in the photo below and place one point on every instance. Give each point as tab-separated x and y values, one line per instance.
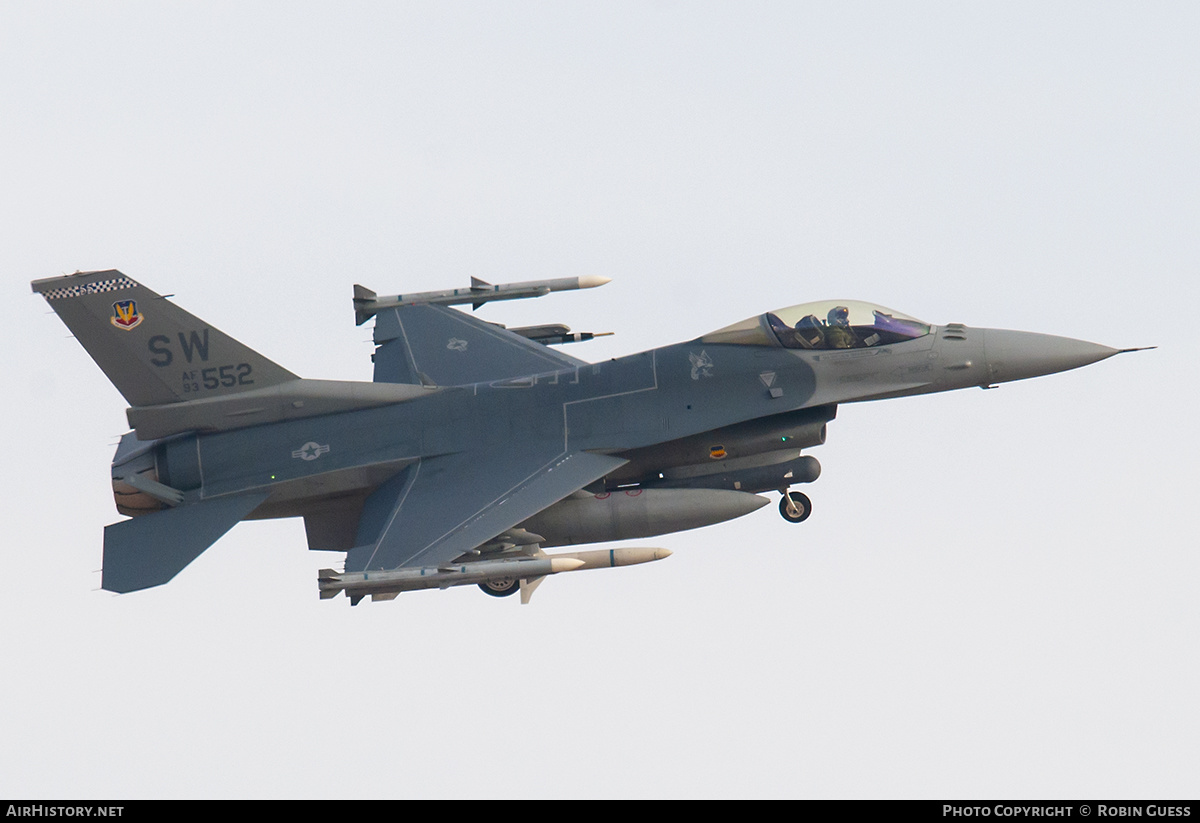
477	447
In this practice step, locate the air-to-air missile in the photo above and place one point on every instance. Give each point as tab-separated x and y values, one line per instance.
496	577
367	303
554	335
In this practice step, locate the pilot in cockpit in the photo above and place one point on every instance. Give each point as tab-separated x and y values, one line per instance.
824	326
838	333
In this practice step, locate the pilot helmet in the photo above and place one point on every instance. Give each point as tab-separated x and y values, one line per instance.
839	316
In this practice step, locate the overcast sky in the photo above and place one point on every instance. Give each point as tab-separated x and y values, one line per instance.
996	593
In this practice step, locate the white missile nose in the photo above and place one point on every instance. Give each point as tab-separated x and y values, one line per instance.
1016	355
591	281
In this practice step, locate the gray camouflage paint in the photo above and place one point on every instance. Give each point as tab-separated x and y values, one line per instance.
470	430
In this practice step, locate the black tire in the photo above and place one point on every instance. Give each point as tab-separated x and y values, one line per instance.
501	588
801	502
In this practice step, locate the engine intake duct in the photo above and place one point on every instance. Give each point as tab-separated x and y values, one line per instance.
779	435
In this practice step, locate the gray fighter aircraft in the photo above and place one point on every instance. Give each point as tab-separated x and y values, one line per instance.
477	446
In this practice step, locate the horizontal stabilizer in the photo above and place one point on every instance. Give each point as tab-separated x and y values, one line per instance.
150	550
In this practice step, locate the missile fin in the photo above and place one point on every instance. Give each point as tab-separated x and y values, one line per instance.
527	587
364	300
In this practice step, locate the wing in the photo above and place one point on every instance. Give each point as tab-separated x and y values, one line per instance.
441	507
439	346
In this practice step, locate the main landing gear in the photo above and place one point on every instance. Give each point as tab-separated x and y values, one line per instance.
501	588
795	507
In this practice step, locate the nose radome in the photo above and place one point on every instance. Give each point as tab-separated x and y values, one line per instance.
1016	355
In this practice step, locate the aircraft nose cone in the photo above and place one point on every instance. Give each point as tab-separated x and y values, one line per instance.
1016	355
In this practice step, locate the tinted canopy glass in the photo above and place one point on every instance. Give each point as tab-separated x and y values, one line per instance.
826	324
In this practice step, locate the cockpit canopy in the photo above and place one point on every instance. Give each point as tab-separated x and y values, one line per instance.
826	324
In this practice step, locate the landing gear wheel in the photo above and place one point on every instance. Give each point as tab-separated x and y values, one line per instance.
501	588
795	507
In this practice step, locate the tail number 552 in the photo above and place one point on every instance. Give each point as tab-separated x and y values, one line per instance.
217	376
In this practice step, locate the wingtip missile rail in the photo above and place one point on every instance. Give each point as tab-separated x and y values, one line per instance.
367	302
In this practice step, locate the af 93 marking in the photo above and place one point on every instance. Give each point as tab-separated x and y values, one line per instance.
213	377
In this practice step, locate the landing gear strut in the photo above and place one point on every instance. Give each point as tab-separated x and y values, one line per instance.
795	507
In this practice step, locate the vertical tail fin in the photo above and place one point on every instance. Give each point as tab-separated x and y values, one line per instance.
153	351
